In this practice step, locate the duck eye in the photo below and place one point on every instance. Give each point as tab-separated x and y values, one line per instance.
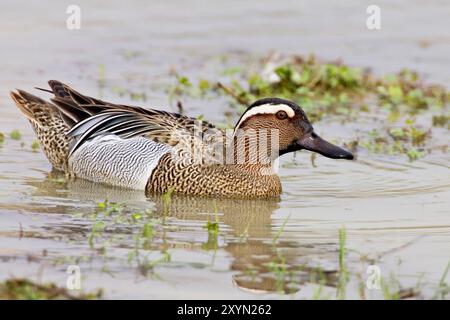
281	115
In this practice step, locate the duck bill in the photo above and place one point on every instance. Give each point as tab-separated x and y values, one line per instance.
313	142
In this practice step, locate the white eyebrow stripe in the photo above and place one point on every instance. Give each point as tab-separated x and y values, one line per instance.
267	109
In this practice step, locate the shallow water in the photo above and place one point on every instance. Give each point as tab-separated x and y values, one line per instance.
395	212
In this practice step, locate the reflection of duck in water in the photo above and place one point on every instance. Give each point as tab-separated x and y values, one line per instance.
157	151
259	263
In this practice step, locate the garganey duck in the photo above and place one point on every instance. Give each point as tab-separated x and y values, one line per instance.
158	151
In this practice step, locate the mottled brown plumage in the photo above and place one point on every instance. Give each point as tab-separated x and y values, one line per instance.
74	125
212	180
49	127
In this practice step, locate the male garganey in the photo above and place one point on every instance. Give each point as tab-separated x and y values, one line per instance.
157	151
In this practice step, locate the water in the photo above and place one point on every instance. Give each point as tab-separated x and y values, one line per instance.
395	212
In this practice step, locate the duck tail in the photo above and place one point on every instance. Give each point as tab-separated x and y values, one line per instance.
36	110
48	124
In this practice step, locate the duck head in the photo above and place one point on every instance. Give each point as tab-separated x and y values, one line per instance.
295	130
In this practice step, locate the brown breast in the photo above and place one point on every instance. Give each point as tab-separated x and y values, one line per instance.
212	180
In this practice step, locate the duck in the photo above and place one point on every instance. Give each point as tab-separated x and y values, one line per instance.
159	151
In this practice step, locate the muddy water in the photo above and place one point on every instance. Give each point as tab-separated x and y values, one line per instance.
395	212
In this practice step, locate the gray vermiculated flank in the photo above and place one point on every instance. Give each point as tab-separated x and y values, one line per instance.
122	162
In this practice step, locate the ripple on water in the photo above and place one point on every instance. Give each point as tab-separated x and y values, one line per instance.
365	178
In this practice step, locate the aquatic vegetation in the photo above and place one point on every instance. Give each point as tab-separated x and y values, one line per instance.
406	89
147	266
410	133
280	231
131	94
166	199
109	217
116	225
443	288
318	293
409	139
35	146
441	121
213	232
97	228
343	271
130	54
322	88
137	238
2	137
60	180
414	154
101	75
184	86
101	81
278	268
392	290
212	226
24	289
138	96
15	134
286	279
327	89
